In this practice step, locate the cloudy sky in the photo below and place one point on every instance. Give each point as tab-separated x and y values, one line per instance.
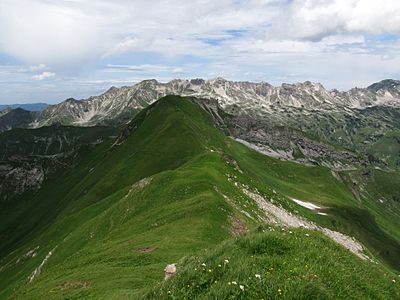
54	49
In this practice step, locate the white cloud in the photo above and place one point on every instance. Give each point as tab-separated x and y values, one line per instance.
340	39
178	71
316	19
38	67
102	41
44	75
70	33
144	68
51	32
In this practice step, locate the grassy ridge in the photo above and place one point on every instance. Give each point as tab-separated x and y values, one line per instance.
94	195
155	196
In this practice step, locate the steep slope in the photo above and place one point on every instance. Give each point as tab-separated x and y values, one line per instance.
369	136
169	186
29	156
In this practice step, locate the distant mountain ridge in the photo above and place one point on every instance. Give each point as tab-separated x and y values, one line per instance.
246	96
15	118
25	106
119	105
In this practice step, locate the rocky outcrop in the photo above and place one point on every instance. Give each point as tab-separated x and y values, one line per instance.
169	271
29	157
263	135
22	174
289	144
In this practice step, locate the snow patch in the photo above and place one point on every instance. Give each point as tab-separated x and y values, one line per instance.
306	204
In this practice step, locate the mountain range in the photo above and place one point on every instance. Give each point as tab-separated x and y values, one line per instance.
119	104
26	106
252	191
339	118
247	96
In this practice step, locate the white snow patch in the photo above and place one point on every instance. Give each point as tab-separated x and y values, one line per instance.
306	204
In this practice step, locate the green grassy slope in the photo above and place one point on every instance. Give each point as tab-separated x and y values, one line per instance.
276	263
388	148
379	191
154	196
317	185
94	199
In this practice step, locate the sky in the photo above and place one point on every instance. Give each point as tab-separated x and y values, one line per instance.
51	50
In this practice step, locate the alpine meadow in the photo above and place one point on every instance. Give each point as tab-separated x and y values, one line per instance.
227	187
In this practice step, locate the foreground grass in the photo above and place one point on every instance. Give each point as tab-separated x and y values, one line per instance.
277	263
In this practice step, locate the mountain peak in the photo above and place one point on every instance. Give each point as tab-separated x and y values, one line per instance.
197	81
313	84
218	80
112	88
385	84
148	81
20	110
71	100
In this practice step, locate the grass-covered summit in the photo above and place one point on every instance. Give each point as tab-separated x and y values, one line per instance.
170	186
